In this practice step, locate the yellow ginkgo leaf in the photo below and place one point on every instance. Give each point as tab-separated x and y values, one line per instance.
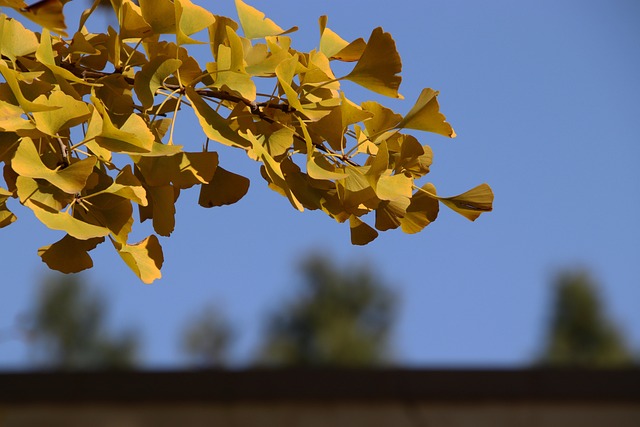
425	115
379	66
12	77
422	210
48	14
254	23
15	39
67	223
472	203
132	23
151	77
335	47
160	15
71	113
213	124
191	19
145	258
133	137
71	179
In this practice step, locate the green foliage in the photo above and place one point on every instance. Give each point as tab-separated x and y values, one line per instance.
207	339
87	126
579	333
340	318
68	330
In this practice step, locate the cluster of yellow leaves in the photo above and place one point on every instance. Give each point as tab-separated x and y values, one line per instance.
86	126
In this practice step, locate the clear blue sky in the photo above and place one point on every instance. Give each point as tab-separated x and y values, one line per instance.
545	99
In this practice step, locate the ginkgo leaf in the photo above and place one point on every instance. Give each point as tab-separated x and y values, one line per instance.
379	66
254	23
133	136
71	113
45	55
228	72
69	255
6	216
361	232
11	77
71	179
48	14
42	193
11	118
162	208
15	39
151	78
425	115
133	24
330	42
285	71
126	185
471	204
422	210
383	119
335	47
145	258
213	124
67	223
394	187
160	15
225	188
191	19
16	4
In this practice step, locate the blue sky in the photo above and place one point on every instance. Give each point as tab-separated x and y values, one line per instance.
545	99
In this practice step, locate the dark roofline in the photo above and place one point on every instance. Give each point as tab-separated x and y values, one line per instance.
264	385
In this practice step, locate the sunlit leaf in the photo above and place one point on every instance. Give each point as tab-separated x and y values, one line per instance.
71	179
48	14
69	255
71	113
383	119
133	136
160	15
65	222
425	115
11	118
191	19
151	78
213	124
471	204
45	55
42	193
12	77
128	186
145	258
422	211
379	66
335	47
255	25
133	25
285	72
15	39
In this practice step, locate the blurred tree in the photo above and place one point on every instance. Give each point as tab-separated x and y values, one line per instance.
207	338
68	329
340	318
579	332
